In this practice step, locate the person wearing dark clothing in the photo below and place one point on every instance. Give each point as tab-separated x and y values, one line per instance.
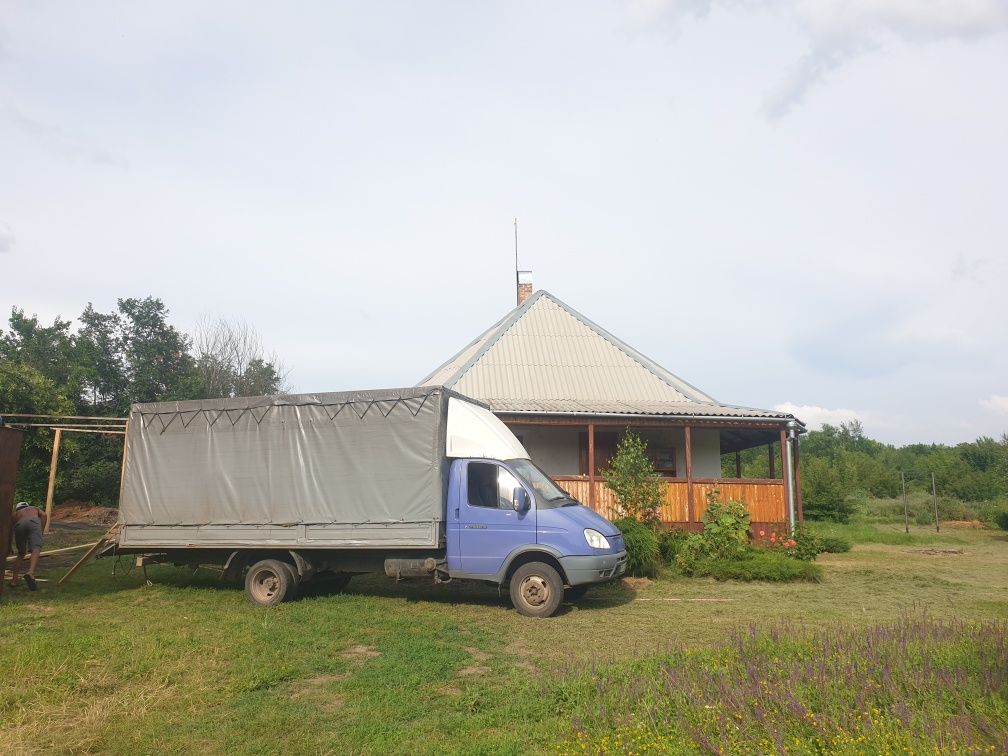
28	524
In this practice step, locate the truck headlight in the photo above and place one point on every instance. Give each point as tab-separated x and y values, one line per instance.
595	539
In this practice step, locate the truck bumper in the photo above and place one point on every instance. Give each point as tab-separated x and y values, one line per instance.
581	570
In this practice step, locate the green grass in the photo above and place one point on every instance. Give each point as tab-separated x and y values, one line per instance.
113	665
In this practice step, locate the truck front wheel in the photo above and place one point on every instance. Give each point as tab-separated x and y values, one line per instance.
269	582
536	589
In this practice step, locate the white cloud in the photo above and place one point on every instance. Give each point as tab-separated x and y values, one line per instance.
840	30
995	403
814	417
6	238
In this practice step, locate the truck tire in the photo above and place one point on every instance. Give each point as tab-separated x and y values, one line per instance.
269	582
576	592
536	589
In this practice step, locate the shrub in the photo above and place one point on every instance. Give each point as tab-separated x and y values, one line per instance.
759	564
641	543
726	527
834	545
1002	519
690	552
632	477
669	542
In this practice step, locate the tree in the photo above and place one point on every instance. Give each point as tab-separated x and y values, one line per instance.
25	389
632	477
231	361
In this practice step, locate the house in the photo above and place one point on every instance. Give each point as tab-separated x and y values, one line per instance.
568	389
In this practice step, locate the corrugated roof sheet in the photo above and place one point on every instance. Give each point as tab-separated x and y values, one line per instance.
546	358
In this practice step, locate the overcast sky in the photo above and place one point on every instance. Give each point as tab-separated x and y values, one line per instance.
789	203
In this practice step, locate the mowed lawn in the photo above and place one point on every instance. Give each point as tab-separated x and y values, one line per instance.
111	664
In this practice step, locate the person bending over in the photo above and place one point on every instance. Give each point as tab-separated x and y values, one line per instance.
28	524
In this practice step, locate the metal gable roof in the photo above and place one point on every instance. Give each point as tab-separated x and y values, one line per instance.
546	358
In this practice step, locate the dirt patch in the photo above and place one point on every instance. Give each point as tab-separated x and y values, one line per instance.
938	552
316	690
473	670
476	654
449	690
361	653
81	511
963	525
524	654
636	583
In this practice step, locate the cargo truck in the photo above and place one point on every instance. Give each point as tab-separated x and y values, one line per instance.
292	491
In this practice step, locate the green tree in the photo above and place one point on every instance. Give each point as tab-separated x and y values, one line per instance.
632	477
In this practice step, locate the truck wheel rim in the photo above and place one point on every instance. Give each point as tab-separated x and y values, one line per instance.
535	590
265	585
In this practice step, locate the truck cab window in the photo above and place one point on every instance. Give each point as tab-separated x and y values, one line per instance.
482	484
491	486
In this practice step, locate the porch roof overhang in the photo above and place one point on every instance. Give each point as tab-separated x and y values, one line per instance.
740	427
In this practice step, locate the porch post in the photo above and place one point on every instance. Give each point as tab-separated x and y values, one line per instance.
769	450
784	474
738	465
690	509
591	465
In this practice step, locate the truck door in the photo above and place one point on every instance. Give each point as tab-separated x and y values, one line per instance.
489	527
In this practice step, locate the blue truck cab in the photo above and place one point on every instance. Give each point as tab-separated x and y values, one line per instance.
509	523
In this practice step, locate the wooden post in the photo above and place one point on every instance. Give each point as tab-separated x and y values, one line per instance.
770	467
690	508
934	493
906	514
52	478
738	465
591	465
784	471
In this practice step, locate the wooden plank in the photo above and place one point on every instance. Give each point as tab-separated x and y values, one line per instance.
770	467
633	422
52	478
591	465
108	539
65	549
690	503
738	464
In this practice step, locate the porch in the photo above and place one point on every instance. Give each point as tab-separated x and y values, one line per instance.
692	457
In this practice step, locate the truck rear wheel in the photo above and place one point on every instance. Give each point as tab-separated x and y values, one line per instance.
536	589
269	582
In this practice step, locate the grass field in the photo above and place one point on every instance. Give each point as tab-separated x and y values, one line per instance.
903	646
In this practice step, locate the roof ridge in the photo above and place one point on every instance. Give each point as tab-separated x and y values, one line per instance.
659	372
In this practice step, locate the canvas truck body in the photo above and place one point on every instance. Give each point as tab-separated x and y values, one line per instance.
411	482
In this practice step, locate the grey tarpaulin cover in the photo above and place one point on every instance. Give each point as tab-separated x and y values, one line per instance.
362	468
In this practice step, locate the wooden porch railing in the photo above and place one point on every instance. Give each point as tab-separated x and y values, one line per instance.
765	499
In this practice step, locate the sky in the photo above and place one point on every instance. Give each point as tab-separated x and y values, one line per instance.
797	204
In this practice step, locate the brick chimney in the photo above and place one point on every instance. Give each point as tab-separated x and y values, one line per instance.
524	286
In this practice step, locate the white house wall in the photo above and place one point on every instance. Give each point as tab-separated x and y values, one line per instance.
553	448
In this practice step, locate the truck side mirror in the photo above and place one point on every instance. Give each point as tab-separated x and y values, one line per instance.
520	500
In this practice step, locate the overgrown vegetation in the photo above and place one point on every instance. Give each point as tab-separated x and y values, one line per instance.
102	363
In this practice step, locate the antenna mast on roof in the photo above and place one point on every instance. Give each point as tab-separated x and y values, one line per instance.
516	253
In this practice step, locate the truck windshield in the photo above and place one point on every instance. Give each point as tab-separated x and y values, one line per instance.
548	493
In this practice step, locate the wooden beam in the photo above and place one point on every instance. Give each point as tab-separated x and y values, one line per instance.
108	539
738	464
591	465
634	422
52	478
690	508
769	449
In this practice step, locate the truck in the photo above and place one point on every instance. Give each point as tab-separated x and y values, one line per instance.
309	490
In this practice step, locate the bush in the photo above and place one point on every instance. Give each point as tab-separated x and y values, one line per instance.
834	545
641	543
1002	519
759	565
726	527
632	478
669	542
